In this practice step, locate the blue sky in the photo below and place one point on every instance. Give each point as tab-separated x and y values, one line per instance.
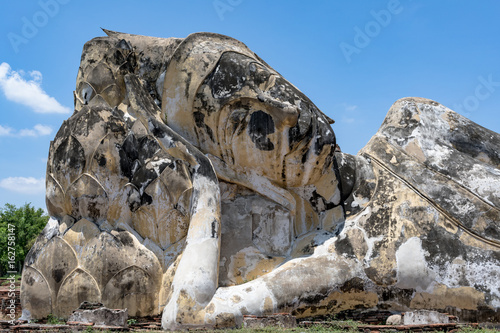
352	58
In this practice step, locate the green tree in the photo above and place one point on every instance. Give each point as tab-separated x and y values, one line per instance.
20	227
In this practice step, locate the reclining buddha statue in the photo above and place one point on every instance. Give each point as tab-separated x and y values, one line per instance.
194	181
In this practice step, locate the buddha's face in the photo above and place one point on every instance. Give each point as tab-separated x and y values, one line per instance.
263	122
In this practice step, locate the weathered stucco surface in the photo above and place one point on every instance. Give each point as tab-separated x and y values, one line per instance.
194	180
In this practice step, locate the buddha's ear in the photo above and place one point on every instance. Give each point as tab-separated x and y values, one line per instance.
346	164
357	180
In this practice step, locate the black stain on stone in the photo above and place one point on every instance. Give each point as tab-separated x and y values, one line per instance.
93	209
127	286
259	73
314	298
146	199
384	280
116	125
130	64
324	135
284	91
130	147
205	168
319	203
58	274
442	246
119	57
128	156
143	177
304	156
69	154
214	229
126	239
148	147
354	284
347	173
397	294
163	165
344	246
229	75
30	280
303	130
158	129
199	120
101	160
492	232
470	140
260	126
188	83
133	200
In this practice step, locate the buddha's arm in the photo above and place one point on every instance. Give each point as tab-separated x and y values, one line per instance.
196	277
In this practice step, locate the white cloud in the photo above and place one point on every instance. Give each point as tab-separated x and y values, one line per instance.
350	107
25	185
5	131
349	113
27	132
43	130
36	131
28	91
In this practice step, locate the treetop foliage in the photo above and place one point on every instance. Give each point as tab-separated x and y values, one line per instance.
26	222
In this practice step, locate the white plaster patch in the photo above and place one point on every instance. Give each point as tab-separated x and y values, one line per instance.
322	238
476	273
156	164
322	250
273	233
432	124
464	210
355	223
453	273
370	242
159	84
413	270
482	180
51	228
251	296
359	201
485	273
128	117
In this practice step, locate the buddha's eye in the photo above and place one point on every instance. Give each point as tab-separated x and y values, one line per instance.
87	92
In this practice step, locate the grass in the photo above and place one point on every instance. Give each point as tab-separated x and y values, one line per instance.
476	330
319	329
131	321
53	320
333	326
5	282
312	329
